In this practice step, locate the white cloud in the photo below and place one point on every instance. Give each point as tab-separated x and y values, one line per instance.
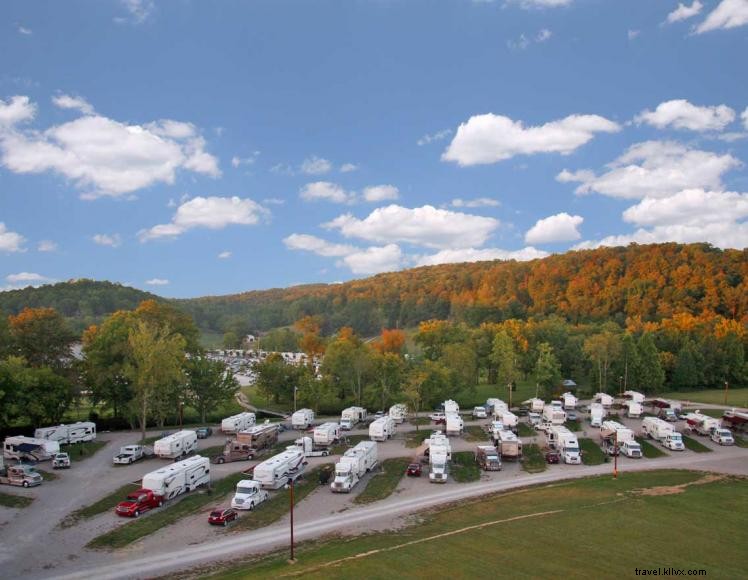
225	255
212	213
103	155
722	235
113	241
318	246
273	201
543	35
633	34
25	31
46	246
732	137
424	226
524	41
433	137
24	279
325	190
491	138
681	114
10	241
479	255
530	4
75	103
478	202
655	169
237	161
375	260
16	110
744	117
157	282
348	167
376	193
139	10
683	12
728	14
282	169
561	227
691	207
315	165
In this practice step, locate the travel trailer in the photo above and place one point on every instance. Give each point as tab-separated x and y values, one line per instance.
66	434
351	417
176	445
662	431
302	419
181	477
399	412
382	429
237	423
29	448
617	438
280	469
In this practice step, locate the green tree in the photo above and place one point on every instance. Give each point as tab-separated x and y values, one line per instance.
11	405
312	390
651	375
209	383
230	340
688	364
547	371
389	373
42	337
504	355
603	349
276	379
348	365
462	362
628	366
39	394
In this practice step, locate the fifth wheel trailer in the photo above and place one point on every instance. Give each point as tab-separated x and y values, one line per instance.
569	400
554	415
736	420
565	442
326	434
280	469
176	445
399	412
74	433
597	413
353	465
382	429
440	453
454	424
702	424
604	399
259	436
237	423
302	419
177	478
351	416
508	445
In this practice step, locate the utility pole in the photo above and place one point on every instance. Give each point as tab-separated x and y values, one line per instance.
294	398
615	456
727	386
293	559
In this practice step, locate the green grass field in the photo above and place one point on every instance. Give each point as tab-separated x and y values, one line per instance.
649	450
592	454
416	438
14	501
525	430
735	397
105	504
47	475
82	451
695	445
464	468
384	482
533	460
636	513
476	434
573	426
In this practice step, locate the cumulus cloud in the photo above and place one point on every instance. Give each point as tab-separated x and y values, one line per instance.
237	161
113	241
325	191
375	260
25	31
680	114
376	193
479	255
24	280
490	138
225	255
478	202
157	282
655	169
434	137
728	14
10	242
75	103
348	167
212	213
138	10
101	155
561	227
318	246
423	226
315	165
683	12
46	246
744	117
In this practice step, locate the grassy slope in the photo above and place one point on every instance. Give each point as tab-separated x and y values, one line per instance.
735	397
382	484
81	451
649	449
105	504
602	512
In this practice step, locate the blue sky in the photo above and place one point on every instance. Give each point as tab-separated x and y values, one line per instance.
195	148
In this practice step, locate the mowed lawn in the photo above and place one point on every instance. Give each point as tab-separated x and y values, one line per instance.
575	522
735	397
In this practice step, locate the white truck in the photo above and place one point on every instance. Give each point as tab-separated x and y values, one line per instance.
617	438
129	454
454	424
239	422
535	405
570	401
508	445
176	445
277	471
249	494
604	399
554	415
302	419
722	436
180	477
352	416
702	424
662	431
440	453
399	412
382	429
353	465
597	414
634	396
634	409
451	406
29	448
565	442
307	446
73	433
479	412
326	434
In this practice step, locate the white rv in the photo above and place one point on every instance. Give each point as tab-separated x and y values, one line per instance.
702	424
508	419
326	434
664	432
508	444
604	399
178	478
536	405
351	416
176	445
382	429
73	433
454	424
495	405
440	453
307	446
302	419
565	442
634	410
399	412
353	465
554	415
249	494
237	423
569	400
276	472
597	414
499	407
619	438
633	396
29	448
451	406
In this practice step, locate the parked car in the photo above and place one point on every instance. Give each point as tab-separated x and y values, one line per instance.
571	415
222	517
378	414
204	432
414	470
552	456
61	461
438	417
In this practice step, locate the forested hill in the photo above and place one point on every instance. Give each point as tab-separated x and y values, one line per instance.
649	282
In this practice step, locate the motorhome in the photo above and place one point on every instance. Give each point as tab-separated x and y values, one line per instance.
440	453
535	405
736	420
351	417
326	434
508	445
176	445
634	409
353	465
633	396
565	442
399	412
702	424
382	429
451	406
617	438
454	424
569	400
249	494
65	434
659	430
302	419
554	415
177	478
237	423
597	414
29	448
488	458
260	436
604	399
280	469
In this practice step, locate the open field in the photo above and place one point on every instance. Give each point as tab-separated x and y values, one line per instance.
592	454
735	397
382	484
645	508
14	501
533	460
695	445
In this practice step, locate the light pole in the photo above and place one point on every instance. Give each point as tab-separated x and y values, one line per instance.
292	560
727	386
294	398
615	456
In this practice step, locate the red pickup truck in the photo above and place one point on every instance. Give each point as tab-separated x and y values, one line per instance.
138	502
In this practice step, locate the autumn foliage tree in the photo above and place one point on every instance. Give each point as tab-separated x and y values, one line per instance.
41	336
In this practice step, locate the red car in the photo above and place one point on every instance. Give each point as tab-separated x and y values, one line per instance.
414	470
138	502
222	517
552	456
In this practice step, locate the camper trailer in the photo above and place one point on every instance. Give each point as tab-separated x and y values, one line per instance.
565	442
569	400
554	415
351	417
508	445
399	412
702	424
181	477
353	465
302	419
634	409
633	396
237	423
280	469
65	434
604	399
382	429
29	448
176	445
617	438
326	434
735	420
659	430
535	405
259	437
454	424
597	414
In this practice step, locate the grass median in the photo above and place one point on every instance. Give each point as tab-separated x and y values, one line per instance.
15	501
384	482
346	442
416	438
105	504
592	454
464	468
695	446
649	450
533	460
740	441
526	430
84	450
476	434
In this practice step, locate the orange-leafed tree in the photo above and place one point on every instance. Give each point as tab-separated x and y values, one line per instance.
41	336
391	341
